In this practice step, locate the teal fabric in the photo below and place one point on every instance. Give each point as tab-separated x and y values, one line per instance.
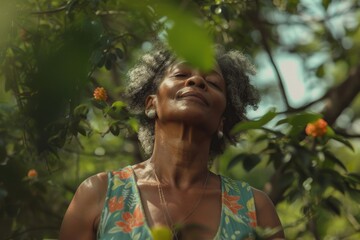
123	215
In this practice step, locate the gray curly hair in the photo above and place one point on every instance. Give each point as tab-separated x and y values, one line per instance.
145	77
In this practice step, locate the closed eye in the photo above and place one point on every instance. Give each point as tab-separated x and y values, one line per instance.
214	85
214	81
181	75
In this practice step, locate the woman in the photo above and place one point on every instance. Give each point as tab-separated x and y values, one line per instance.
188	117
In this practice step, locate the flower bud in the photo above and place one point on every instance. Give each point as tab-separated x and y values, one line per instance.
100	94
32	173
317	128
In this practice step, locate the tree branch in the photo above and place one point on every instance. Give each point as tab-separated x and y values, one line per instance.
337	99
304	107
340	97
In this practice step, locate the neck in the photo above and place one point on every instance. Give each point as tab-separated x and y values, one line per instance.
180	156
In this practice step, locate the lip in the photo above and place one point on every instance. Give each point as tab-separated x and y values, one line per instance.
195	96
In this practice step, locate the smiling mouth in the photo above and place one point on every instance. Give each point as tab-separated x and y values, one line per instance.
194	96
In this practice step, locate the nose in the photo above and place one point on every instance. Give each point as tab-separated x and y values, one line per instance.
196	81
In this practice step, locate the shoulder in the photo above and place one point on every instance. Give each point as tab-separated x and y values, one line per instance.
95	185
91	192
81	218
266	214
261	199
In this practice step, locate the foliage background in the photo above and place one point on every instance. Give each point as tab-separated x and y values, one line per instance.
54	53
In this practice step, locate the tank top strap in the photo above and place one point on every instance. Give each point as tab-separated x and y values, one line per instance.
238	210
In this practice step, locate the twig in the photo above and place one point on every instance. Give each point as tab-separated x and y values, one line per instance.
268	51
302	108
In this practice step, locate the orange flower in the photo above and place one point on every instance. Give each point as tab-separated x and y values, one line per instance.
252	216
100	94
116	204
124	173
32	173
231	202
317	128
131	220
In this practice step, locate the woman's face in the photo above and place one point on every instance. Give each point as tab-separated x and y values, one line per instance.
192	97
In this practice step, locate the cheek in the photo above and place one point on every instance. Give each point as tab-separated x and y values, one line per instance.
166	89
165	96
222	103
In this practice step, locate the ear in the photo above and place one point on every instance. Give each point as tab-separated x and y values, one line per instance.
150	102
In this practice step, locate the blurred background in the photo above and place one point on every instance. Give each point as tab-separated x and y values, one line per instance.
54	133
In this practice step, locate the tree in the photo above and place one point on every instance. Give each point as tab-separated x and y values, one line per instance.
55	53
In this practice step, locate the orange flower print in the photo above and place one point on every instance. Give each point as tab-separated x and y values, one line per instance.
231	202
116	204
131	220
100	94
124	173
317	128
252	216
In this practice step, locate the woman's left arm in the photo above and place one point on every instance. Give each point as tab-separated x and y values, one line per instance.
266	214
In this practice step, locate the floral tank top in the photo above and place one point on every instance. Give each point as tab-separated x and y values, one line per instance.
123	215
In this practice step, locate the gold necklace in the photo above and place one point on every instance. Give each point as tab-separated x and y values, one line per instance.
163	202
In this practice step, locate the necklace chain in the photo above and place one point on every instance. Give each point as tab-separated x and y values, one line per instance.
163	202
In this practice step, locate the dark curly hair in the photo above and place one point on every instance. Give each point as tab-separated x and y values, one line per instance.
145	77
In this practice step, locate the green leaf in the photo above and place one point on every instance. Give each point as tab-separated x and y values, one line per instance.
354	178
81	111
114	129
329	156
81	130
326	3
119	53
115	229
329	177
187	38
249	161
117	110
110	60
299	121
137	236
257	124
332	204
235	160
59	138
343	141
134	124
354	194
97	58
227	219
